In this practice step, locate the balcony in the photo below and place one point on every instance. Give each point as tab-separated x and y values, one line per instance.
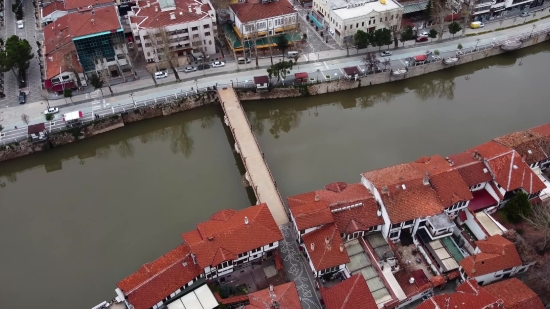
438	226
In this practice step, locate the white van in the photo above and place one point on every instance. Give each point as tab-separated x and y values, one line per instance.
242	60
292	54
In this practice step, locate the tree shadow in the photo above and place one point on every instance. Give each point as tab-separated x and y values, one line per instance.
283	120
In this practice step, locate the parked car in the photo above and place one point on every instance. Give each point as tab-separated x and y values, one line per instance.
385	53
201	67
218	64
200	57
161	74
422	39
524	14
423	33
242	60
51	110
20	24
189	69
22	97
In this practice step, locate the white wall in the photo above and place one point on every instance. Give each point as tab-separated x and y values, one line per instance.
496	276
271	24
376	194
474	226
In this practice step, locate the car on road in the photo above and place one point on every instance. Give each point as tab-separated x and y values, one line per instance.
161	74
189	69
218	64
423	33
20	24
524	14
421	39
51	110
385	53
22	97
242	60
201	67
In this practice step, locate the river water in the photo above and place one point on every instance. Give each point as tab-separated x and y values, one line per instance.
76	220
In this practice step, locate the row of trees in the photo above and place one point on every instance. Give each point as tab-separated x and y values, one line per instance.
362	39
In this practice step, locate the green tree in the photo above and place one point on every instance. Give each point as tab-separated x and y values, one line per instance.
49	117
16	55
361	40
406	34
382	37
283	44
517	207
1	128
459	46
432	34
96	82
279	69
454	27
68	93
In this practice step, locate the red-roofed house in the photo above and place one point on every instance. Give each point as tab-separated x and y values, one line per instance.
52	11
325	250
351	293
284	296
496	258
514	294
532	146
267	19
157	282
232	239
191	26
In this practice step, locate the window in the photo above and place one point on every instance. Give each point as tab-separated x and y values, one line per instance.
261	25
357	25
249	28
394	235
345	27
206	26
351	26
386	18
146	37
194	29
120	56
396	226
363	24
195	36
410	222
369	22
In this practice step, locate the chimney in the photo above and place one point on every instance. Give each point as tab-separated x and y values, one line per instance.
411	280
93	12
93	21
271	288
515	167
341	247
426	180
384	189
529	151
198	10
157	9
189	7
403	186
312	246
194	258
246	220
148	4
485	171
379	212
317	197
172	16
327	240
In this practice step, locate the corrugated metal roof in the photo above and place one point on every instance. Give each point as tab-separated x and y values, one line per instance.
416	7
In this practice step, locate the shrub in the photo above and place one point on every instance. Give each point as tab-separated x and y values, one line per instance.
517	208
49	117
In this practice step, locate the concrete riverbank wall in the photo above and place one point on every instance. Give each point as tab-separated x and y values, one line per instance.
380	78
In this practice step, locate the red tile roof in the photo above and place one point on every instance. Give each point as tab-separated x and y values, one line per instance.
75	4
497	253
247	12
515	294
285	295
532	146
59	61
153	17
226	234
472	170
325	255
158	279
543	129
359	218
52	7
337	193
438	280
349	294
468	295
311	215
508	168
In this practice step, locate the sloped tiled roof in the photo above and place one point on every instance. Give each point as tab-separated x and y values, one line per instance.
52	7
543	129
325	255
152	17
75	4
226	234
158	279
285	295
247	12
497	253
472	170
336	193
515	294
360	218
311	215
60	59
468	295
532	146
352	293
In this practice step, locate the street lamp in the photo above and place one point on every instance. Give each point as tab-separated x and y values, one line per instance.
477	42
534	26
132	96
231	83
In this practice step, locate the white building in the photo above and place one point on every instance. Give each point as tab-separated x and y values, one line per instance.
343	18
191	26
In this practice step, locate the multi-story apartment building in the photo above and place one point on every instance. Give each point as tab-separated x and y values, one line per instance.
482	10
190	27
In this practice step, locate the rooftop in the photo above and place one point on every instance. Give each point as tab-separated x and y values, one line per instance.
311	215
515	294
468	295
59	61
158	279
497	253
441	221
532	146
52	7
325	247
261	80
247	12
482	199
336	193
285	295
227	234
472	170
75	4
355	8
349	294
159	14
543	129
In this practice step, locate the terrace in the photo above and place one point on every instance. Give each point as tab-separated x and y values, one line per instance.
444	252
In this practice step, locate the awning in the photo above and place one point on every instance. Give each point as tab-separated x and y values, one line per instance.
420	58
201	298
301	75
482	199
72	116
63	86
416	7
36	128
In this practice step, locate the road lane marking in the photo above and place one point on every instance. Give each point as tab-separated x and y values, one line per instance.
325	65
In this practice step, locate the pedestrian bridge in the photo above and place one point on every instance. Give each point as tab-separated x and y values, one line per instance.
257	172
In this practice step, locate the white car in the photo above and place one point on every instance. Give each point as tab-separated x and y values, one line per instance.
161	74
385	53
218	64
51	110
20	24
189	69
424	33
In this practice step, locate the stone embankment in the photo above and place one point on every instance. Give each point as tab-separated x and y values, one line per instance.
103	125
380	78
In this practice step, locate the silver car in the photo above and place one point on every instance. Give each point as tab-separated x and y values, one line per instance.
189	69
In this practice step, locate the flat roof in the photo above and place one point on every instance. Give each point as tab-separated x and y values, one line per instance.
441	221
201	298
357	8
488	224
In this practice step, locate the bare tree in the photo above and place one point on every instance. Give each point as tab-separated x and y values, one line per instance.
152	73
253	39
162	40
101	71
539	219
392	22
232	41
196	42
371	62
349	42
119	43
270	44
440	9
25	118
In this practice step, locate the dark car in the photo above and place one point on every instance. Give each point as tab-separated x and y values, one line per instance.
22	97
203	67
422	39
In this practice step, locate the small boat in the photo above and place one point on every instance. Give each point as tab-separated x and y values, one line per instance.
450	60
398	72
511	45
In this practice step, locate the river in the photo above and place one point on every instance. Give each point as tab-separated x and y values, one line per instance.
76	220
